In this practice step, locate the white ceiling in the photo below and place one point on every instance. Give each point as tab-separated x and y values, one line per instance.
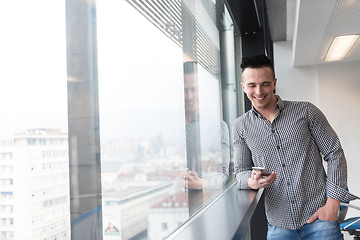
312	24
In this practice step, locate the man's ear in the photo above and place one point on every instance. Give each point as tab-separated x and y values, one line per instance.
243	86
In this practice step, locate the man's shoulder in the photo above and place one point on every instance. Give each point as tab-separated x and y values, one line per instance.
243	118
299	108
297	104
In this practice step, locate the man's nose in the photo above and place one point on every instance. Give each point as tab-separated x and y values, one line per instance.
258	89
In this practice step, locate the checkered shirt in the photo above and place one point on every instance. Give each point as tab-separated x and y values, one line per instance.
292	146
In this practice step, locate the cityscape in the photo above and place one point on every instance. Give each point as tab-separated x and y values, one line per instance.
143	190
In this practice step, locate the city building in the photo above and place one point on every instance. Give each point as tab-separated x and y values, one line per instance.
167	215
125	212
34	185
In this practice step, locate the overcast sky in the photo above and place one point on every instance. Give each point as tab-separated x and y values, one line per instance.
140	71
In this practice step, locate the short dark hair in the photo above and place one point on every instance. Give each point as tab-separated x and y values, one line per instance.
258	61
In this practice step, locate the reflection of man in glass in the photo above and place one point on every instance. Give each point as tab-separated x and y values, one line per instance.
194	177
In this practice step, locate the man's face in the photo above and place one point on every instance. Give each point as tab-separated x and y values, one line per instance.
191	93
259	85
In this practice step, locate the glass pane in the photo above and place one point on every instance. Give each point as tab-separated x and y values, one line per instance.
142	109
207	137
151	131
34	173
141	103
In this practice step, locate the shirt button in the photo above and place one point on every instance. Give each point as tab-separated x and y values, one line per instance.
278	147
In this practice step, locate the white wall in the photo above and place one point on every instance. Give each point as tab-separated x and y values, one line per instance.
335	89
294	83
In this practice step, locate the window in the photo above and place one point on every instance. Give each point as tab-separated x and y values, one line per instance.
34	110
6	195
117	100
6	181
160	113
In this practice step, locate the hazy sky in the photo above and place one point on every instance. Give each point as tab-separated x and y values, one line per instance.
32	65
139	69
133	73
140	74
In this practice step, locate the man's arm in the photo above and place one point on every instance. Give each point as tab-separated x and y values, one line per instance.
220	169
242	158
329	145
225	151
336	183
247	178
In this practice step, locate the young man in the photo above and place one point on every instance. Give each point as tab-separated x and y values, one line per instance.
289	139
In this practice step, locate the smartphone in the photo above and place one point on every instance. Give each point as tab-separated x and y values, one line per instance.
264	171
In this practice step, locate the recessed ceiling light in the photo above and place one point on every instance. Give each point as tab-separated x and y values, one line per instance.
340	47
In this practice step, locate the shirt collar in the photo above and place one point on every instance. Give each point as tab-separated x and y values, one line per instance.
280	105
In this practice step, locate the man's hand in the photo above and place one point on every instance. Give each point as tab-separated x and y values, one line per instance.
257	181
194	181
329	212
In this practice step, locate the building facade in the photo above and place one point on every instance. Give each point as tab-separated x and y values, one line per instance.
34	185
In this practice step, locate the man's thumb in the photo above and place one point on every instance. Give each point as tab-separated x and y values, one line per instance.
312	218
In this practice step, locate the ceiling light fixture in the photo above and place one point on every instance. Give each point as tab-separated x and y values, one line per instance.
340	47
